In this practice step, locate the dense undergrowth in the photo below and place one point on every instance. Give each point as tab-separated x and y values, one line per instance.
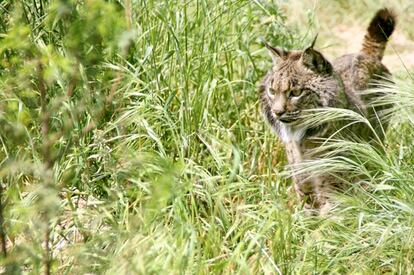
132	142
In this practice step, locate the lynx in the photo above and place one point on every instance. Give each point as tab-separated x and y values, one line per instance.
304	79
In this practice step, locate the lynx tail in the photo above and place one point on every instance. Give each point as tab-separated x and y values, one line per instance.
379	30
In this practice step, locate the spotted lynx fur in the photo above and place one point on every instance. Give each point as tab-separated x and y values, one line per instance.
302	80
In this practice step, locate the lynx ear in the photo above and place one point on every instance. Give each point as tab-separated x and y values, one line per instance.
315	61
278	54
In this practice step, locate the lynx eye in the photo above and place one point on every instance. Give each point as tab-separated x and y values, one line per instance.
296	92
272	91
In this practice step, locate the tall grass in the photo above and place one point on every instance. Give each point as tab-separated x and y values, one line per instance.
132	142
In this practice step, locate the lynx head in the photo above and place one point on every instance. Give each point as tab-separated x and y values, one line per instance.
298	80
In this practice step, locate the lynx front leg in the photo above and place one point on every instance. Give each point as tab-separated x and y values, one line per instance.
305	192
303	186
311	191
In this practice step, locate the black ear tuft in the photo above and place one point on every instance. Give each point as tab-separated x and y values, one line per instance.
277	53
315	61
313	41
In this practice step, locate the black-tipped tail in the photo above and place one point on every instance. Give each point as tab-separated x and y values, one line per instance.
379	30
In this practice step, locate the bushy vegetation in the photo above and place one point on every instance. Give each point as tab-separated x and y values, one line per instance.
132	142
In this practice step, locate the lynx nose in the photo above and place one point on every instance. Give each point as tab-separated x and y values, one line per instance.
279	113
